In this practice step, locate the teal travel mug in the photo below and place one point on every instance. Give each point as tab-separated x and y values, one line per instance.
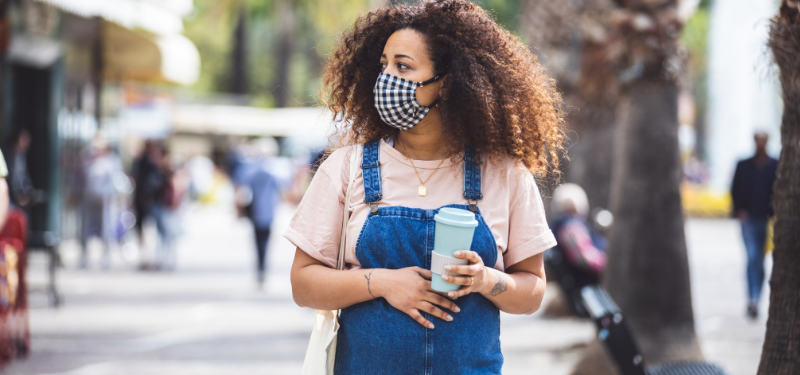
454	230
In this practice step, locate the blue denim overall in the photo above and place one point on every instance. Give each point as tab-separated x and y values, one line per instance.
376	338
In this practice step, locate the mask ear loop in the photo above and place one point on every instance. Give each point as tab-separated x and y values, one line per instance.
422	84
432	80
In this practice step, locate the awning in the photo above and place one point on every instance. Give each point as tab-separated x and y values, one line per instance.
250	121
34	51
130	55
161	17
142	39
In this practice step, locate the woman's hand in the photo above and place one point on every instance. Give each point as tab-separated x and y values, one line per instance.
475	275
409	290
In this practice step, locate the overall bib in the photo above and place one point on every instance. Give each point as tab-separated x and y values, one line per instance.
376	338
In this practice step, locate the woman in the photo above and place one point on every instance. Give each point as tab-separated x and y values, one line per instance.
452	111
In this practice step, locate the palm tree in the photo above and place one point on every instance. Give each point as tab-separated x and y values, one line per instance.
575	41
239	54
648	270
780	354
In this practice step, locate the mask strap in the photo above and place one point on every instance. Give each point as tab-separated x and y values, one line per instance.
432	80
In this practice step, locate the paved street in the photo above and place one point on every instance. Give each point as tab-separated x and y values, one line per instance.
208	317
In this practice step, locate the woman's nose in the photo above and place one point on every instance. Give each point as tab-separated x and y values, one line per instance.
390	69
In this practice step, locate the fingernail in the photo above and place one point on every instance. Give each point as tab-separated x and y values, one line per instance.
445	277
451	294
457	253
430	326
448	268
457	309
449	318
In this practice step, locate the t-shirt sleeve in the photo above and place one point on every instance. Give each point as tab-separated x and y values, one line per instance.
528	232
317	224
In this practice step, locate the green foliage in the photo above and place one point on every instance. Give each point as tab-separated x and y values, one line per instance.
317	24
695	38
506	12
210	28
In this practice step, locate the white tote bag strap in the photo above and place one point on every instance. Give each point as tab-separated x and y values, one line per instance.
321	353
355	158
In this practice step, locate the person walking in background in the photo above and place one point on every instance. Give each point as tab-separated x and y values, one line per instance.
167	210
260	185
148	179
585	249
752	205
99	167
21	188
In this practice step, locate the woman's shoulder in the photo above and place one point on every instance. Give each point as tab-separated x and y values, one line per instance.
334	164
506	168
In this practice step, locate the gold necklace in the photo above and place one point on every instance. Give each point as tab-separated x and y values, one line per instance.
422	190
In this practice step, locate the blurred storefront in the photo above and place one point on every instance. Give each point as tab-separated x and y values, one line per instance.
64	70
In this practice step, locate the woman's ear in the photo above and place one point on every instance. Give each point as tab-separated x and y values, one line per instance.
441	87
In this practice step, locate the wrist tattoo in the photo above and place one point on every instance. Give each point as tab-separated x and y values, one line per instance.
368	276
500	287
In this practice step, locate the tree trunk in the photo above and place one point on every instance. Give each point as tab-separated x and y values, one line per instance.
648	268
781	353
591	149
285	40
239	55
647	272
571	40
98	68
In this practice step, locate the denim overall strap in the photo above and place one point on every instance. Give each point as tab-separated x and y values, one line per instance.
370	168
472	174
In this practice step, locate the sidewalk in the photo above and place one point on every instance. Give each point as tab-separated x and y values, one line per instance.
208	317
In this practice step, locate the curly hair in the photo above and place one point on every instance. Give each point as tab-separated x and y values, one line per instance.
496	97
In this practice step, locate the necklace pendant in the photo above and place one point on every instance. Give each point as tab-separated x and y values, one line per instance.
422	191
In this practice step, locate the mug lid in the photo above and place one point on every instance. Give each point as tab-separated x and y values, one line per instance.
456	217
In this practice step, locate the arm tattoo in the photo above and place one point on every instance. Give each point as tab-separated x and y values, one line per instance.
368	276
500	287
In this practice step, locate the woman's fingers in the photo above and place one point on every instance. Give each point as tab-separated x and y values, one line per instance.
471	256
426	274
470	270
435	311
474	268
437	299
414	314
459	280
459	293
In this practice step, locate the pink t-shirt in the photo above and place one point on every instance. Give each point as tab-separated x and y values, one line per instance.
511	205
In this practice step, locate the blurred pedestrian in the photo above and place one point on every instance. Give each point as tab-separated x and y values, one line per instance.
263	189
752	205
21	188
99	167
149	179
584	248
166	210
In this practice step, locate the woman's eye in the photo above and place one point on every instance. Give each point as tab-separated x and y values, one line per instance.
383	65
402	66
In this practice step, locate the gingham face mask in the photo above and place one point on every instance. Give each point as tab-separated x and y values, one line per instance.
396	101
